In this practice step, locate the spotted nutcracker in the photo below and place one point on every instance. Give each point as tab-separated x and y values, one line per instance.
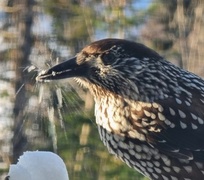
149	112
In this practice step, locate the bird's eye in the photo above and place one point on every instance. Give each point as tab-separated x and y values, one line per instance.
108	58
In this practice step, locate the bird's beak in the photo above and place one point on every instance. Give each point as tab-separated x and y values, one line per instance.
66	69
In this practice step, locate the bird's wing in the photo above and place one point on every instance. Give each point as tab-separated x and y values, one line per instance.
181	131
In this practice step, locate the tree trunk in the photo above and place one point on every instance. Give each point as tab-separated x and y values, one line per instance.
24	44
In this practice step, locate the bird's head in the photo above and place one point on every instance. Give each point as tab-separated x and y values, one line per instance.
111	64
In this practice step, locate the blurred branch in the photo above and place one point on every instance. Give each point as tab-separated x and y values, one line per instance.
9	35
12	9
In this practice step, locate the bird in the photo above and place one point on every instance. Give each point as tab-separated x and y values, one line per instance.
149	112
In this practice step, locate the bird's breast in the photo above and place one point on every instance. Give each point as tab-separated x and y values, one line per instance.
119	116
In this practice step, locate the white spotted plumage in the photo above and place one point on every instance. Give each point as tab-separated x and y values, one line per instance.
148	111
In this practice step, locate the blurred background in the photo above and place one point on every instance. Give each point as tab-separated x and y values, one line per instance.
59	116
